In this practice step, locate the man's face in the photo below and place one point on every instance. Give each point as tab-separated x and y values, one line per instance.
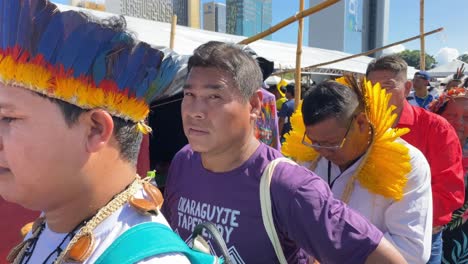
39	153
396	84
214	115
420	83
456	113
330	132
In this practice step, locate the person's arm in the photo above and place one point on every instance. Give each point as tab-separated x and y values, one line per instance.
445	160
385	253
306	212
408	221
281	121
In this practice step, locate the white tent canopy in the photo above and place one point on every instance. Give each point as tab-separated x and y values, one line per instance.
445	69
187	39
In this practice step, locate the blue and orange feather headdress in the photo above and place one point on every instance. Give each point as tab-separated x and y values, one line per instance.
67	56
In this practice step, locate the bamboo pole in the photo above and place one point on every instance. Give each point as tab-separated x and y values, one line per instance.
289	20
173	29
422	61
297	93
362	54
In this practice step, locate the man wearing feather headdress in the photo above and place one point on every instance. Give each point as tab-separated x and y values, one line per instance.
347	127
433	136
74	94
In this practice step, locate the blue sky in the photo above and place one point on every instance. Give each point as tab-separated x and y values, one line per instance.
404	23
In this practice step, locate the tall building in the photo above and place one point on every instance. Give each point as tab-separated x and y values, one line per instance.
248	17
351	26
160	10
187	11
214	16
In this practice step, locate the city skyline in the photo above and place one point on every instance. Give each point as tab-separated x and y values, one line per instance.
444	46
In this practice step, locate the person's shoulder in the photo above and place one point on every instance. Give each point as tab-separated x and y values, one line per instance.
417	159
429	119
293	176
184	154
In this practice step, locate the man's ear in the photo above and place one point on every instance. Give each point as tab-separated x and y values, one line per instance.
408	85
362	121
100	129
256	104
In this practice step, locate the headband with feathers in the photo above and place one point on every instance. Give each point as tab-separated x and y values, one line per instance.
68	56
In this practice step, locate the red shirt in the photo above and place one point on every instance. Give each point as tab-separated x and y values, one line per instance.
439	143
13	218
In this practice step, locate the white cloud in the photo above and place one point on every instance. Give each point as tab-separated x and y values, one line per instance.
445	55
395	49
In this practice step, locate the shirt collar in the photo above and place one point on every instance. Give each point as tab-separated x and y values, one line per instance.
407	115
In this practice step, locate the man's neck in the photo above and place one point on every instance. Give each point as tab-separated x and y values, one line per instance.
421	93
230	158
71	212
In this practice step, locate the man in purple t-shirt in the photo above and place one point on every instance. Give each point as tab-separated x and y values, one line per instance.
216	178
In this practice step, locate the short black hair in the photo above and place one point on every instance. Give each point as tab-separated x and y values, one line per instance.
291	88
329	99
230	58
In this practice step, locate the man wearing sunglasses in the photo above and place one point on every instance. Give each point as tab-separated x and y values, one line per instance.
338	128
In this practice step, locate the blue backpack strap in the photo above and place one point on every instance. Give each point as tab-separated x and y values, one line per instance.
150	239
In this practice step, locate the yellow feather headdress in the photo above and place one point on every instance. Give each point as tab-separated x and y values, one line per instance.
386	163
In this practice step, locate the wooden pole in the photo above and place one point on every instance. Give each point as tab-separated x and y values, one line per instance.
173	29
362	54
289	20
422	61
297	93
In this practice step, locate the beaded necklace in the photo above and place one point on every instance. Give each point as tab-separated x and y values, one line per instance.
81	237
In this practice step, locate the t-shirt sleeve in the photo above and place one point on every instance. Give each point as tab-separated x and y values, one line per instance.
285	110
306	212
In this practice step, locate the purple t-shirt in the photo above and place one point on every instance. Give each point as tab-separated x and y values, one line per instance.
307	217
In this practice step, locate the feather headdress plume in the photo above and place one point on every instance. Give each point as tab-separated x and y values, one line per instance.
70	57
385	155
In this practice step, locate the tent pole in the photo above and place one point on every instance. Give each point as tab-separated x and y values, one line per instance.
361	54
173	29
422	61
289	20
297	92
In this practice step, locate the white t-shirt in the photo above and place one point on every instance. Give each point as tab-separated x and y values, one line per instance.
105	233
406	223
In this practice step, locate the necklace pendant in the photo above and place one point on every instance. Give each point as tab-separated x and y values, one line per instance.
82	249
152	205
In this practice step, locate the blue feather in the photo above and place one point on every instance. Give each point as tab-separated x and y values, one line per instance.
10	22
119	63
52	38
24	29
150	70
84	62
133	63
105	58
166	74
44	12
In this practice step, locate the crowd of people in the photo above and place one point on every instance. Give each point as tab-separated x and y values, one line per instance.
361	170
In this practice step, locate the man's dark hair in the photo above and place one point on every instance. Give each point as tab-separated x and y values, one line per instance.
329	99
125	132
232	59
291	88
393	63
